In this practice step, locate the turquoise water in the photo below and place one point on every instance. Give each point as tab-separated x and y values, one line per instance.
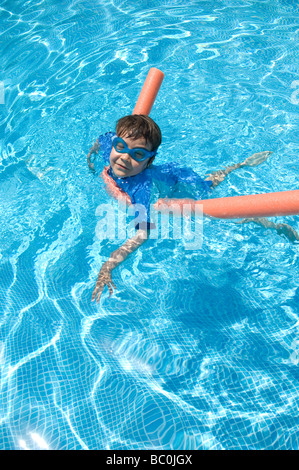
196	349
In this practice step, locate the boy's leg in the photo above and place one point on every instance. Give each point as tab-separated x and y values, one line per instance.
256	159
282	229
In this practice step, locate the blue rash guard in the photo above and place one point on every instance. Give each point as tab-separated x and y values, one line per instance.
140	187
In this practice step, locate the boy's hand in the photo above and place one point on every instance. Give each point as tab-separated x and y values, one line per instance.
94	149
104	279
117	257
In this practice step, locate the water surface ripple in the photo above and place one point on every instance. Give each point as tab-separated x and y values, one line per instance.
196	349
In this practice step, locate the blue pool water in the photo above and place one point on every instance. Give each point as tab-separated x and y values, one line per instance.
196	349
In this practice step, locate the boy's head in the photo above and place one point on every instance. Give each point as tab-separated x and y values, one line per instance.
137	132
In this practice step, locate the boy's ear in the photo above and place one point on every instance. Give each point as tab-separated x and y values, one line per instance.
150	161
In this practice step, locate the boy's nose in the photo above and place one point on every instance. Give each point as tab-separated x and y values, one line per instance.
125	156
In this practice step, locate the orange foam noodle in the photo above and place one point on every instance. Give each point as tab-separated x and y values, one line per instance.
255	205
144	105
149	92
113	189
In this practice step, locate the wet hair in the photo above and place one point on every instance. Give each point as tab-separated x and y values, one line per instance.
136	126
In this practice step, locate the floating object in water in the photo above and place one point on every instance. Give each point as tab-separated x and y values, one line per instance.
149	92
254	205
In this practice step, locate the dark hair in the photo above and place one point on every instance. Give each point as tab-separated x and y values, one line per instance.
136	126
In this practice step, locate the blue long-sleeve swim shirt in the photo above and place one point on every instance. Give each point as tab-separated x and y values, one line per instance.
140	188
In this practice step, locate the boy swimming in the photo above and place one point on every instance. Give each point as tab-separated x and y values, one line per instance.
129	154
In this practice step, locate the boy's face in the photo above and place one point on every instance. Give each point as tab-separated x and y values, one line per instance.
123	165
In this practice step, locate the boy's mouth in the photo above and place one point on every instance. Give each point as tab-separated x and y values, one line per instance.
123	167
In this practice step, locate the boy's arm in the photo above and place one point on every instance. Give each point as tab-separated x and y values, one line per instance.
94	149
117	257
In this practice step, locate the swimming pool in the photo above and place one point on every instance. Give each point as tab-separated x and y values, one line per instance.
196	349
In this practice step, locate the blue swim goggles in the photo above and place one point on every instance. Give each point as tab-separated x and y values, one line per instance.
138	154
